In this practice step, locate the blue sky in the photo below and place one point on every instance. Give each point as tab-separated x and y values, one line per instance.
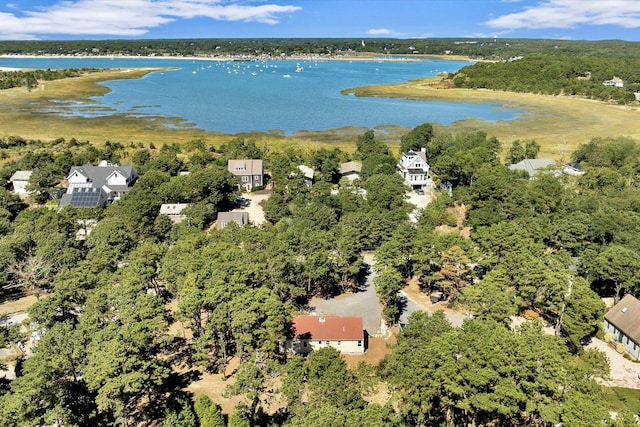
120	19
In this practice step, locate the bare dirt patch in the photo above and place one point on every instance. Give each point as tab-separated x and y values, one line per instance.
19	305
460	213
214	386
376	351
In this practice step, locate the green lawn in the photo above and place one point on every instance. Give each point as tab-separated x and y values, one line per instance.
618	399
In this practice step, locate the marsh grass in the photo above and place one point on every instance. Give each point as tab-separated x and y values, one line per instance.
558	124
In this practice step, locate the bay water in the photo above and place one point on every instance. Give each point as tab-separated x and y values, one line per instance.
282	96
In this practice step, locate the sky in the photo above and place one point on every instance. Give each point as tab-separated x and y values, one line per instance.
152	19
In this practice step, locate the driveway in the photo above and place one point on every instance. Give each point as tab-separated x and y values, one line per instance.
364	303
251	204
411	304
624	373
419	201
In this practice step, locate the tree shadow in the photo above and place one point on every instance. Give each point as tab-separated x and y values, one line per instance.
402	303
361	278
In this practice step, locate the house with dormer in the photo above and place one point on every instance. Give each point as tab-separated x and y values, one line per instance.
250	172
622	321
91	186
414	169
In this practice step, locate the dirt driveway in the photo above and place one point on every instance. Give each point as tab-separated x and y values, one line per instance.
624	373
252	205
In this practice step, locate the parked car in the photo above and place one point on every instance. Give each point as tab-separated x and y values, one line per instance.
420	191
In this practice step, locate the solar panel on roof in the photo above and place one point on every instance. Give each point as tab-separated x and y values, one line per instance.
85	197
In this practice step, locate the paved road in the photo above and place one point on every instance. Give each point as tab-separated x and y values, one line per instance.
364	303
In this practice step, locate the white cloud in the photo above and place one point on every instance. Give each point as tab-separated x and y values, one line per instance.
571	14
380	32
130	17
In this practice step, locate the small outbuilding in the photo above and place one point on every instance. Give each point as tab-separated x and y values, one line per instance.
239	217
350	170
20	179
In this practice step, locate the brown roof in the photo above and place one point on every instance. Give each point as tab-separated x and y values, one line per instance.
328	328
350	167
625	316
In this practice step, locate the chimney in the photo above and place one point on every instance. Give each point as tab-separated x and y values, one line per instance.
423	150
321	319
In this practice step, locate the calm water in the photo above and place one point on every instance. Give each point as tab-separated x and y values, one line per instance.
233	97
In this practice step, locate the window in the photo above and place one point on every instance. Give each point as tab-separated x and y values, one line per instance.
319	342
245	178
338	342
327	342
256	177
359	343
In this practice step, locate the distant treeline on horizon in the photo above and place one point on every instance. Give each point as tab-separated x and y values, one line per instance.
487	48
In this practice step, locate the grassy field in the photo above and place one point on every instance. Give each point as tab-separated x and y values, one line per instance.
619	399
559	124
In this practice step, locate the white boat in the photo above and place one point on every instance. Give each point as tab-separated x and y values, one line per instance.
299	69
286	75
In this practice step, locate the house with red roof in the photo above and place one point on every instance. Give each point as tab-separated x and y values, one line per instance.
345	334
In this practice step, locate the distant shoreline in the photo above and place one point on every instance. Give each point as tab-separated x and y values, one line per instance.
359	57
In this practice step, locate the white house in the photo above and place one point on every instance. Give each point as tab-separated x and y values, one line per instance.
345	334
615	81
95	186
414	169
20	179
174	211
623	323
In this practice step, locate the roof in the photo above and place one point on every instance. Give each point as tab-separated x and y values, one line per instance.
328	328
21	176
531	166
413	153
625	316
245	167
350	167
240	217
172	208
306	171
98	175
